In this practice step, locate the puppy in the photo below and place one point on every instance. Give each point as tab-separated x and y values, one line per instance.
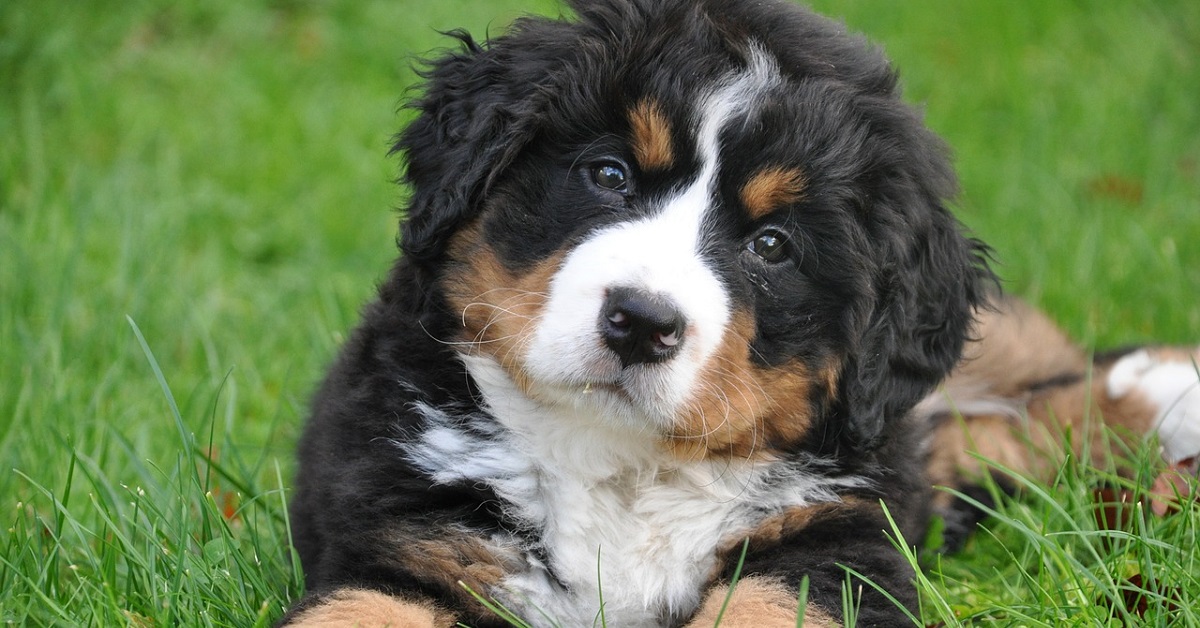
677	281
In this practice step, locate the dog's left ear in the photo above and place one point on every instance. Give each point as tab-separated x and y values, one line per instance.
929	283
478	112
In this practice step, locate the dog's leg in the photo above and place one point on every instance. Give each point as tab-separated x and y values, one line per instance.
1017	354
1021	366
1152	391
1024	390
824	543
757	602
347	608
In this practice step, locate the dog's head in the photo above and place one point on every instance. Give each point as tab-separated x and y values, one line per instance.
714	219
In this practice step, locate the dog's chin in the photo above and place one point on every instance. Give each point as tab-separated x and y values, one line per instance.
608	404
640	397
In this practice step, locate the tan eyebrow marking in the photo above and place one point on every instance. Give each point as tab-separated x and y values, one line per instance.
651	136
772	188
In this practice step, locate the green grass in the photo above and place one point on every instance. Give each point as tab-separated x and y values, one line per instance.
1048	559
195	200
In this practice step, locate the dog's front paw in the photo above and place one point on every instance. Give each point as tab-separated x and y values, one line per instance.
1169	380
756	603
360	608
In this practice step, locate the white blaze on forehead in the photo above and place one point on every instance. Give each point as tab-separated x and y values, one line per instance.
661	254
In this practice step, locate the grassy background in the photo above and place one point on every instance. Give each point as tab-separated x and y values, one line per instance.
209	176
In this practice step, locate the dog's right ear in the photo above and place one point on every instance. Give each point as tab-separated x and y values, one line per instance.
478	111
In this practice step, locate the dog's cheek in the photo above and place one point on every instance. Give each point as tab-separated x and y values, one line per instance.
743	409
497	308
800	392
726	405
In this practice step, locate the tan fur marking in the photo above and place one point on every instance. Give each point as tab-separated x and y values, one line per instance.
788	417
991	436
1083	410
829	376
348	608
1078	414
771	189
651	136
757	602
449	560
457	559
498	308
775	529
742	410
1017	347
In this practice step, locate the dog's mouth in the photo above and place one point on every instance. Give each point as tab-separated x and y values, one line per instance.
608	396
637	385
648	394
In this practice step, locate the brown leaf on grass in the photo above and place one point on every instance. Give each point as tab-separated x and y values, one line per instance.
1116	187
1136	594
228	502
1114	507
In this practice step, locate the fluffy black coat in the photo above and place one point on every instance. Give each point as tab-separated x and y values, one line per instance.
885	280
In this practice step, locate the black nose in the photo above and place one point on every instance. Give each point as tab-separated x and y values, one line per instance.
641	327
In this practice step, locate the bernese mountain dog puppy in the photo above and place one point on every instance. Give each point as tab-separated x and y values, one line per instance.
677	281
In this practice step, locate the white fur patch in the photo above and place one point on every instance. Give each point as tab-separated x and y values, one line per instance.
449	452
1173	386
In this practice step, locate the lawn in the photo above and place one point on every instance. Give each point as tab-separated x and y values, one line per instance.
195	200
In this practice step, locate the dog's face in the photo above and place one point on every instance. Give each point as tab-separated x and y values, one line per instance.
660	217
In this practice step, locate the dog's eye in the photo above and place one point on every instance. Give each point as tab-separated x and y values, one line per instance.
770	245
610	176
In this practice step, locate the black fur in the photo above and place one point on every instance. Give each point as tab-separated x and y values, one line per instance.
883	282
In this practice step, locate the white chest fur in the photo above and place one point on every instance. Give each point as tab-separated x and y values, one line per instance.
618	519
645	545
